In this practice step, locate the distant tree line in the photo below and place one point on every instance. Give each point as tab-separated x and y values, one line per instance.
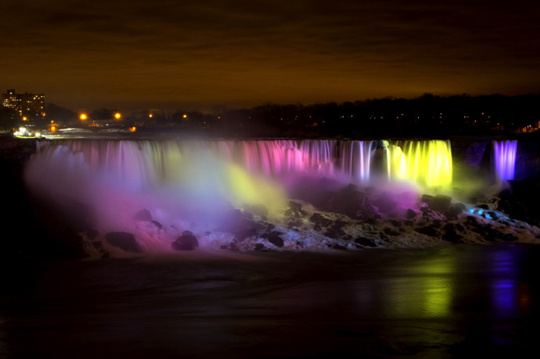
424	116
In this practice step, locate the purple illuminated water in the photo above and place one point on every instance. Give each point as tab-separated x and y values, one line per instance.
505	152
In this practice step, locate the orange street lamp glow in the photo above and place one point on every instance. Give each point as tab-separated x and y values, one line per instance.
184	116
83	117
150	115
25	118
117	115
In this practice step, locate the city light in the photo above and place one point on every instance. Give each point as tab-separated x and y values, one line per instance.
52	127
118	115
83	117
25	118
184	115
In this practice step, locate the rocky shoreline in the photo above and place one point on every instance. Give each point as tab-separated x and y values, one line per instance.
359	219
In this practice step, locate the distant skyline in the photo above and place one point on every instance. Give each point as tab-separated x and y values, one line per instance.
201	54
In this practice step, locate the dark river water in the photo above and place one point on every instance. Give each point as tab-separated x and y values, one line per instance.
425	303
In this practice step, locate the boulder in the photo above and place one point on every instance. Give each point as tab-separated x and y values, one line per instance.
239	224
365	242
456	209
429	230
439	203
143	215
410	214
123	240
186	242
319	220
274	237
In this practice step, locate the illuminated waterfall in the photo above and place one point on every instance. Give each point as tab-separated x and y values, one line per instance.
144	164
505	159
427	162
355	157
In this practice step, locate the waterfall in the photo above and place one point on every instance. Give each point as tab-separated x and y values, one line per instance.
427	162
504	158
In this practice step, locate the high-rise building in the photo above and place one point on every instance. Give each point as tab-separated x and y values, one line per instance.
27	106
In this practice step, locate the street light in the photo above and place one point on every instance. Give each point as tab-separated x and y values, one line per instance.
83	117
117	115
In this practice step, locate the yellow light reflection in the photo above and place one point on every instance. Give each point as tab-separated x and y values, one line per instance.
426	291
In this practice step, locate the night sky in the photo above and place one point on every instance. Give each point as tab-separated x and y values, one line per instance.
169	54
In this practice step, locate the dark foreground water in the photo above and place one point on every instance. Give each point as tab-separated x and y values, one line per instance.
428	303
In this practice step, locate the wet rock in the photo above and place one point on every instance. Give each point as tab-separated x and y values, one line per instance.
231	246
239	225
335	233
488	233
274	237
295	223
186	242
410	214
491	215
451	233
429	230
319	220
471	221
345	201
509	237
365	242
372	221
439	203
427	199
338	246
295	206
260	247
123	240
258	210
391	232
143	215
456	209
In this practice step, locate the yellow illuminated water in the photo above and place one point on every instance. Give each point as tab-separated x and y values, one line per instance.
428	162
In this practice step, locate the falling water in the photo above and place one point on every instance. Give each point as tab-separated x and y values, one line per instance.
356	159
505	159
428	163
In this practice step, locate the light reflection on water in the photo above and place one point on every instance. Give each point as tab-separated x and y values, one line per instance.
440	302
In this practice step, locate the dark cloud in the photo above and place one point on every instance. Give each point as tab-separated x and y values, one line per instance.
86	53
